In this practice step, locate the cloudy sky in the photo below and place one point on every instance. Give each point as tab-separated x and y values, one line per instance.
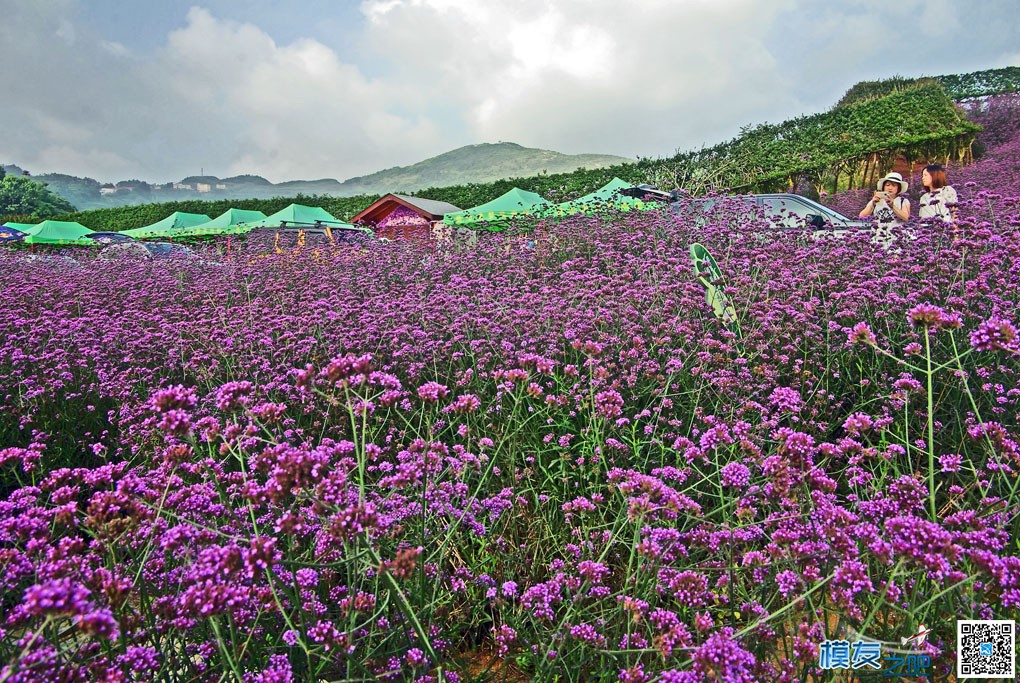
161	89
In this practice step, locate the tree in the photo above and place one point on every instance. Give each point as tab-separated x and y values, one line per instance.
23	196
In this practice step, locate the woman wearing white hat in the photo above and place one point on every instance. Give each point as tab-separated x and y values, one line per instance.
889	208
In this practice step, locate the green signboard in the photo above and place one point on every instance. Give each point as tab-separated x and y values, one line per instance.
708	273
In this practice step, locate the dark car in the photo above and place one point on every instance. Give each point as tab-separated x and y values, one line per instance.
650	192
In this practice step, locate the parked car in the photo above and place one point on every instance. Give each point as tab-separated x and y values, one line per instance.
166	250
782	210
645	191
107	237
130	249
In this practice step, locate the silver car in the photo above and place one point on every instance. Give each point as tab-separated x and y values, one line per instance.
782	211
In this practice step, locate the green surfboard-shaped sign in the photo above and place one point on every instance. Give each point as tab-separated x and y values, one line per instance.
708	273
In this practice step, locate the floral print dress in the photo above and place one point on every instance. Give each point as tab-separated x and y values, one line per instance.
886	221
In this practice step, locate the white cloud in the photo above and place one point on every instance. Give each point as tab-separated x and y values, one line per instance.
587	75
939	19
1009	59
65	31
294	111
114	48
219	94
549	42
60	157
63	131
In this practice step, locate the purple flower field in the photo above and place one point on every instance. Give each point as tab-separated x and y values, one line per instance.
513	461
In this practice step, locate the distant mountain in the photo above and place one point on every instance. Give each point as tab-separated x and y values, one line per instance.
321	186
246	179
195	179
482	163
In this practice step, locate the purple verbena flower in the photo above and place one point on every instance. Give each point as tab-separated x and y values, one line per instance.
432	392
950	462
994	334
723	659
609	404
735	475
862	334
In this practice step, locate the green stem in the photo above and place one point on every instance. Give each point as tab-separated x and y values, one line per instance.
409	613
931	426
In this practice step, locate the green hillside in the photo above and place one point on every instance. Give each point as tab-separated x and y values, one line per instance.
958	87
854	143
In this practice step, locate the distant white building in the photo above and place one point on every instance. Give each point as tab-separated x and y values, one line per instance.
203	187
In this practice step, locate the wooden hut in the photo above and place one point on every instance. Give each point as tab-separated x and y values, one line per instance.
399	216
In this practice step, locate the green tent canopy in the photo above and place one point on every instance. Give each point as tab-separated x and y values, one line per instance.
298	216
606	196
20	227
58	232
230	222
513	203
165	227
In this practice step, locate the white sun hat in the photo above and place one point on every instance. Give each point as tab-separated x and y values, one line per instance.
896	178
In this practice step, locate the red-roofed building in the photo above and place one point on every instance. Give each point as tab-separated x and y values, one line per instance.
398	216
